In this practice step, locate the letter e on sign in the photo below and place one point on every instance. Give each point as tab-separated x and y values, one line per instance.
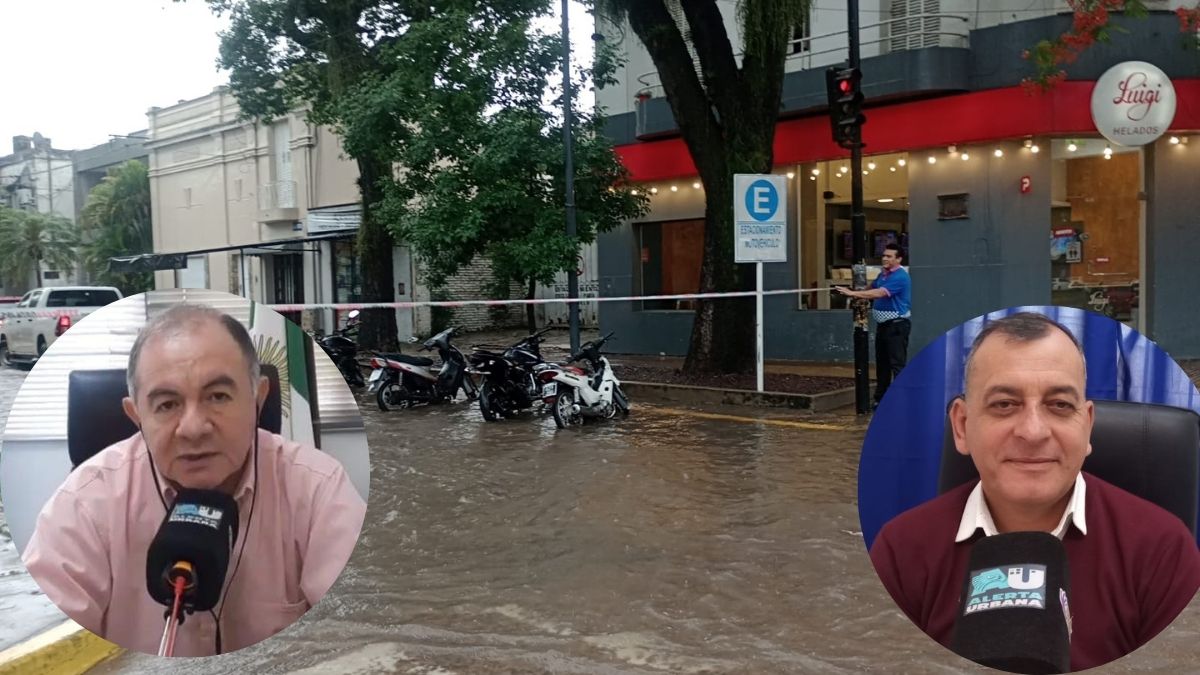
1026	185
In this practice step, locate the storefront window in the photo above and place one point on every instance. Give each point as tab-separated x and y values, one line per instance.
347	286
826	245
1095	229
671	254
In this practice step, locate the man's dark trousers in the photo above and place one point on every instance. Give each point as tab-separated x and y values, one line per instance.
891	353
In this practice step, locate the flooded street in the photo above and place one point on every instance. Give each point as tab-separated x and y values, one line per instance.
24	611
675	541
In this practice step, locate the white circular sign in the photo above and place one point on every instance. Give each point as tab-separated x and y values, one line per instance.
1133	103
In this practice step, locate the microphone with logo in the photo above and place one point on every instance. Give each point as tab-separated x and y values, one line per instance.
1014	613
189	556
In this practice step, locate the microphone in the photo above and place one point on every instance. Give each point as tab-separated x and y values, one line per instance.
193	544
1013	613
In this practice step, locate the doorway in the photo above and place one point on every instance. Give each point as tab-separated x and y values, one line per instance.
1096	227
287	281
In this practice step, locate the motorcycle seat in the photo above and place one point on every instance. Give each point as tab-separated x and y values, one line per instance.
410	360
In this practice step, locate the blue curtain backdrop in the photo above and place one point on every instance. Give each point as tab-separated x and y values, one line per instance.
902	451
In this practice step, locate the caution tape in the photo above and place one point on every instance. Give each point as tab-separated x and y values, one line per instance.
530	301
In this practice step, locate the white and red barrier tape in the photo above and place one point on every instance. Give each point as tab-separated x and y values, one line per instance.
534	301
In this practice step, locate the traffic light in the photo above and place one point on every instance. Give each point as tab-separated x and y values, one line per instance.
845	105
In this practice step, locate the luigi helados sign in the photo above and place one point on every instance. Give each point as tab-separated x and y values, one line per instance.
1133	103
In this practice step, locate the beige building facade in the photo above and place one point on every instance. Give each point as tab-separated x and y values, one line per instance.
265	210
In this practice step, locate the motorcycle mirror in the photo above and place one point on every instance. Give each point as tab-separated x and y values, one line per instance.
353	314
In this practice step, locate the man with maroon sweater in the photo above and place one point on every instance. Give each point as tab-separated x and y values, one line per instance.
1025	422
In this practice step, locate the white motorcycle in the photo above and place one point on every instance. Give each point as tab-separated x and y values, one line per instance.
577	395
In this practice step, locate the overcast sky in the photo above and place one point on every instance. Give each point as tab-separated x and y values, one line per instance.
80	70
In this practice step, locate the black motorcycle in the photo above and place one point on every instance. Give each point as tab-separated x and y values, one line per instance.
343	350
401	381
510	382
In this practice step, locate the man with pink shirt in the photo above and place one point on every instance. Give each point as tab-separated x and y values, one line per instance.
195	393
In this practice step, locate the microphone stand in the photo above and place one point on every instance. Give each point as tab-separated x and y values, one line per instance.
166	646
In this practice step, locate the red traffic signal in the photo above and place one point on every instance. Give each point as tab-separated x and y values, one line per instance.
845	105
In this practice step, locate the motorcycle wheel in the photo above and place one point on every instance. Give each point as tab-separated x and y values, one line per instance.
470	388
351	373
563	415
621	401
485	404
391	396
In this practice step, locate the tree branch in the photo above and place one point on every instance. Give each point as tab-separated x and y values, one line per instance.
768	25
689	102
715	52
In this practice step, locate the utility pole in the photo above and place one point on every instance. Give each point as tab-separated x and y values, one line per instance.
845	109
569	160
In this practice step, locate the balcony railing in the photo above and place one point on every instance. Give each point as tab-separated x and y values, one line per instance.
279	195
902	33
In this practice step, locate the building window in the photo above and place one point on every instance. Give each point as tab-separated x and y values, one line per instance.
915	24
670	255
801	34
50	274
195	275
347	287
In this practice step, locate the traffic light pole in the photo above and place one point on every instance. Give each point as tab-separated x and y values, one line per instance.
858	230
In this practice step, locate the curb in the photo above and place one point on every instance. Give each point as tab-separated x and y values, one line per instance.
678	393
66	649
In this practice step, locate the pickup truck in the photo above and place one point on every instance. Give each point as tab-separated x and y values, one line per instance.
28	330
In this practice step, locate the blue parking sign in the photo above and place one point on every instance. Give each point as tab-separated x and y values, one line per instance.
760	218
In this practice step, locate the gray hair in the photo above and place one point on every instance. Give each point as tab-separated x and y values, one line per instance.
178	318
1021	327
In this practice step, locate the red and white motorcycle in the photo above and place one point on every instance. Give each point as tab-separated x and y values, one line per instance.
574	395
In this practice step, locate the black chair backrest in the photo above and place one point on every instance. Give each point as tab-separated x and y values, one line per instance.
96	420
1152	451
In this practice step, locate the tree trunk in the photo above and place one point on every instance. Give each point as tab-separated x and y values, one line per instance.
378	327
37	270
723	330
530	314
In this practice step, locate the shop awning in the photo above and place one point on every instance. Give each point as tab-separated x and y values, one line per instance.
147	262
150	262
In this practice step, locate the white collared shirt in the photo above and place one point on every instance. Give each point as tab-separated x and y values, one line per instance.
976	514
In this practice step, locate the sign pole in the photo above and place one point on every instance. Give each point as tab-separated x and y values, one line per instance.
758	327
760	236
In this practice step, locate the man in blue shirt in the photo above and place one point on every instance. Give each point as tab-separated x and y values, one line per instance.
891	293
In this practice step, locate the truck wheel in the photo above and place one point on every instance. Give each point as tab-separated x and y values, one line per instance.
41	347
4	360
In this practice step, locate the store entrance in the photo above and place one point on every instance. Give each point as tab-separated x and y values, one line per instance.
1096	228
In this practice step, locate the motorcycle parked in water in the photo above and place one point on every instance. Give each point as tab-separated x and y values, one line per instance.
509	377
400	381
343	350
578	396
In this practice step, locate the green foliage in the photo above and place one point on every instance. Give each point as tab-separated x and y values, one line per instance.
440	317
482	154
28	239
115	220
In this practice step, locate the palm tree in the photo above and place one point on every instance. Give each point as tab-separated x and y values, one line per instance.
28	239
116	221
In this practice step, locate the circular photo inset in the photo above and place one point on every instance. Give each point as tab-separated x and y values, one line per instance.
1028	490
184	472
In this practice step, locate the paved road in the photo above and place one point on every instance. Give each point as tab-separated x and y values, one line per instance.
679	540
